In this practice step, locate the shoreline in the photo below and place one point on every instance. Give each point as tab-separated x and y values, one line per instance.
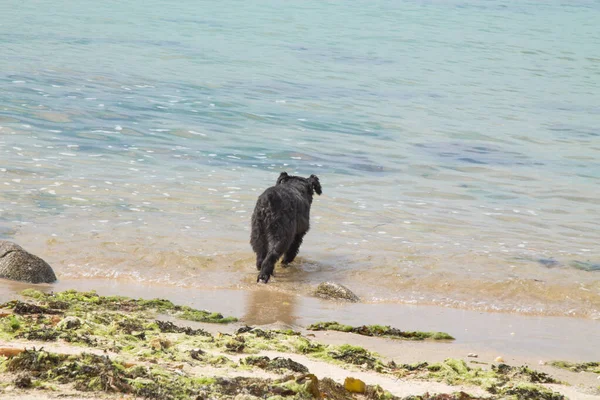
512	336
105	346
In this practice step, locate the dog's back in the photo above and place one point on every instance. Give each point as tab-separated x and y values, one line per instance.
280	220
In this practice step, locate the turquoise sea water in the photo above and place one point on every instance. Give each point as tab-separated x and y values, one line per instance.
457	143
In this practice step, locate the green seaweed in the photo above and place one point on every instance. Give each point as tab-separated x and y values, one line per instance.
502	379
90	301
380	331
453	396
578	367
524	390
169	327
35	361
157	352
353	355
89	372
12	323
276	364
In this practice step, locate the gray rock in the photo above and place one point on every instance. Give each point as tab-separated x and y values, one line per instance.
331	290
19	265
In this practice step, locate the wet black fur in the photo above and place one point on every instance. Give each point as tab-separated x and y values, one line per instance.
280	221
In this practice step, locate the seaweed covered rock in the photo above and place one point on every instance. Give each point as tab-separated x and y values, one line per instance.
379	330
19	265
335	291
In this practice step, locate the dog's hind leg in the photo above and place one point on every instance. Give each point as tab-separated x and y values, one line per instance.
267	267
276	250
292	252
260	258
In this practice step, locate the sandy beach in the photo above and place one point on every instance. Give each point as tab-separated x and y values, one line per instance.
495	338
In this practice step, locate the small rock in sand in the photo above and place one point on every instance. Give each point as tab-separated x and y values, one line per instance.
472	355
499	359
331	290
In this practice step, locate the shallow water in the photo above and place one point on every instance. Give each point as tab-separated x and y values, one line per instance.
457	144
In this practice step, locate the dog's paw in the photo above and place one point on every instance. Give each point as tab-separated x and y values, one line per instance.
262	278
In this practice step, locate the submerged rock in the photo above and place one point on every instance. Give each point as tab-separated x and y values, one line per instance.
20	265
585	265
331	290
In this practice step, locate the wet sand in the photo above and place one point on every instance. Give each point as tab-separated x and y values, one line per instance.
517	338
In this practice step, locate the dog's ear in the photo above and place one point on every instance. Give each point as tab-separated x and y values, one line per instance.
316	185
282	177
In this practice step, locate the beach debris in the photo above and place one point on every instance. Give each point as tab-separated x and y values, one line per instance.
152	358
236	344
10	352
197	354
380	331
541	362
276	364
72	300
43	334
21	308
578	367
355	385
354	355
473	355
169	327
499	359
19	265
23	381
335	291
502	380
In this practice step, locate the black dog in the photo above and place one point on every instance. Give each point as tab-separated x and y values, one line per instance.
280	221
